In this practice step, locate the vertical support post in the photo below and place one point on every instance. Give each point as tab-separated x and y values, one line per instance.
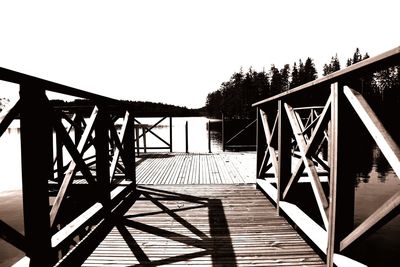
209	137
102	156
137	139
37	169
60	160
186	137
333	136
144	139
223	131
284	151
342	174
260	143
78	130
170	134
129	149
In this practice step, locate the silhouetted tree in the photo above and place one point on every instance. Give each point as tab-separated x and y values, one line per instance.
295	81
285	77
333	66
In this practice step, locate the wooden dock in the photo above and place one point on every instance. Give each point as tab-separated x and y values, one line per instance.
202	225
196	168
201	210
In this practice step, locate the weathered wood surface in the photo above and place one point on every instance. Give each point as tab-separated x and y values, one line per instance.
202	225
196	168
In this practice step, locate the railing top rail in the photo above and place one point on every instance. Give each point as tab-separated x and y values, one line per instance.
21	78
368	65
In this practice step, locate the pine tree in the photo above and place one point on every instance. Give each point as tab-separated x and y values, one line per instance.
310	73
276	81
295	77
285	77
333	66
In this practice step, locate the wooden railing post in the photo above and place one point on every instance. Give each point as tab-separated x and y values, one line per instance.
187	137
170	134
37	169
284	151
223	131
60	159
342	175
78	130
260	142
129	149
209	137
102	155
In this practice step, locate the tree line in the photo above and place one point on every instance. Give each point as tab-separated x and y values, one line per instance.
235	96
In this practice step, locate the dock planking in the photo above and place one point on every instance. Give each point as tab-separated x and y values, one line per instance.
202	225
196	168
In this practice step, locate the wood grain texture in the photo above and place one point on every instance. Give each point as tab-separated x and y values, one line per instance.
202	225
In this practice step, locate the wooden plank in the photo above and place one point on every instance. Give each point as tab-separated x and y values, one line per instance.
383	139
160	232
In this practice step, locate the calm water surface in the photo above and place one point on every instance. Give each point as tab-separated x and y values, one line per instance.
375	183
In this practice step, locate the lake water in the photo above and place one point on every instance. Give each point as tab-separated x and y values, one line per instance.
375	183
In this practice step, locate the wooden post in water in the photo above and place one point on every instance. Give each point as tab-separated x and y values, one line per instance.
37	169
209	137
223	131
284	151
170	134
187	137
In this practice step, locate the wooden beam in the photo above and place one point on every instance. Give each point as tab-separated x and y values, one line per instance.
67	181
268	137
118	140
37	170
13	237
284	150
381	136
240	132
101	146
373	220
129	150
311	146
41	84
342	173
7	115
260	144
309	165
333	156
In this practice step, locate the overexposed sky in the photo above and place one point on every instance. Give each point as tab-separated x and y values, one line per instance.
177	52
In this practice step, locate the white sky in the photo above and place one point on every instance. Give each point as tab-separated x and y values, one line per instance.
177	52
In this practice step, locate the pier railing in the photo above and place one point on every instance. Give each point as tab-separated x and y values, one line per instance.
62	149
305	147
